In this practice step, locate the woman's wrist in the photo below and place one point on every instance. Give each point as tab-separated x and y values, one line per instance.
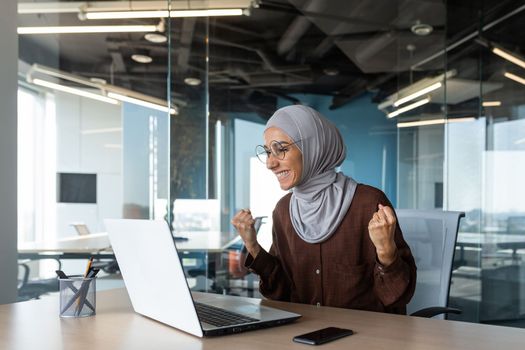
387	255
253	248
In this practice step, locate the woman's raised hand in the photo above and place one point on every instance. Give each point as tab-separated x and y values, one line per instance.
381	229
244	224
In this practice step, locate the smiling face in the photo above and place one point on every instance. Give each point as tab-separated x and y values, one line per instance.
289	169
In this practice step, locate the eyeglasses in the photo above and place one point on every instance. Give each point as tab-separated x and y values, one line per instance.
277	149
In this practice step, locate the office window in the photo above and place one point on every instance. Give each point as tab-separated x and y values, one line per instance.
36	165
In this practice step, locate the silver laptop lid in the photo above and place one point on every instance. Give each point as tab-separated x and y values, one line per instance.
153	273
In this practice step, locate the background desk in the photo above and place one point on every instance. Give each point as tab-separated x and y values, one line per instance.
36	325
201	253
98	243
79	247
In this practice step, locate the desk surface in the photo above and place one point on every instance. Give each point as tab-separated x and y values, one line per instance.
99	242
36	325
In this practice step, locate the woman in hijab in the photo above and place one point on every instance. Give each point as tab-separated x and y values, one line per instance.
335	242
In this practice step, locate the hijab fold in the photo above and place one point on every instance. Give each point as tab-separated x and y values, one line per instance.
322	197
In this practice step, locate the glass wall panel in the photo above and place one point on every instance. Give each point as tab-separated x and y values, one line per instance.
417	105
483	163
94	127
427	94
195	212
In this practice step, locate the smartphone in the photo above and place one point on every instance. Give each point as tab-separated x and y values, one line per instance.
322	336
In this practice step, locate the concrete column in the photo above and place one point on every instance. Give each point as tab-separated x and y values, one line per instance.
8	141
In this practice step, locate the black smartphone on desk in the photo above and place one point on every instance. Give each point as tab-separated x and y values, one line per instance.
322	336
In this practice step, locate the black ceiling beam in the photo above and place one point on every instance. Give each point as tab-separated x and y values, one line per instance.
186	38
274	6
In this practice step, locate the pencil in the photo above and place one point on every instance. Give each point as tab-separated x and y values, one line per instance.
81	293
88	267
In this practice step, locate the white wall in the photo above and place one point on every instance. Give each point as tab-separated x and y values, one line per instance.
8	140
89	140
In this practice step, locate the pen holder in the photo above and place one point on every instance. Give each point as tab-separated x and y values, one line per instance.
77	297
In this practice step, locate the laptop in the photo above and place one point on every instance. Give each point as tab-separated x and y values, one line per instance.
157	287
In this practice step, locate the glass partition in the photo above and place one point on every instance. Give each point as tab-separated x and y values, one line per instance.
484	169
160	122
94	127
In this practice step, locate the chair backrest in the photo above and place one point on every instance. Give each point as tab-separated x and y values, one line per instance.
431	236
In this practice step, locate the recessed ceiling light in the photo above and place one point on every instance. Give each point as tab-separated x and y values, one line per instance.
192	81
421	29
141	58
331	71
155	38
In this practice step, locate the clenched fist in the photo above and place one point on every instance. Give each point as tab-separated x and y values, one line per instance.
381	229
244	224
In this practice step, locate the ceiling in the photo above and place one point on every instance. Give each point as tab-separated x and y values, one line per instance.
282	49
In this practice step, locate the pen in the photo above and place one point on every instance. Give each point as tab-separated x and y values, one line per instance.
61	274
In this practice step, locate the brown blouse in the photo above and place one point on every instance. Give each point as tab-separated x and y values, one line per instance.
342	271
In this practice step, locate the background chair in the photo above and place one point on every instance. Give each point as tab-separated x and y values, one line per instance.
431	236
33	289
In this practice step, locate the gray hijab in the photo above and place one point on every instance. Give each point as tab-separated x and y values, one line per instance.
322	197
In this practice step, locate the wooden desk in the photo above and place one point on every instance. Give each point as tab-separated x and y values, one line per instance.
36	325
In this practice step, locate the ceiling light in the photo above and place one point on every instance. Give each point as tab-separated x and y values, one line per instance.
156	38
434	122
74	91
421	123
418	93
514	77
142	103
428	85
207	13
509	57
114	93
421	29
491	103
192	81
123	14
408	108
162	14
87	29
141	58
331	71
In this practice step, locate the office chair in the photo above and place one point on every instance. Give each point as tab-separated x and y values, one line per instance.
33	289
431	236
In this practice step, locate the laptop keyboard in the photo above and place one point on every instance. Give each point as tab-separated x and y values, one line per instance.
219	317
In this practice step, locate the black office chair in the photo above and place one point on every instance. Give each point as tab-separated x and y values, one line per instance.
34	289
431	236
